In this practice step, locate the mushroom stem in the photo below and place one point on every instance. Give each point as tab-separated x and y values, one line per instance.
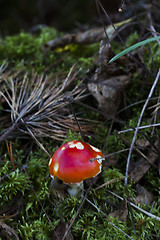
76	189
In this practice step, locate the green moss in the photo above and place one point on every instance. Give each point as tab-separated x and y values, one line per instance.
132	39
15	183
32	185
153	181
25	46
25	50
37	229
151	55
73	136
91	220
118	47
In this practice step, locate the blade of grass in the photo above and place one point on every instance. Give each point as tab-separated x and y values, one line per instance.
127	50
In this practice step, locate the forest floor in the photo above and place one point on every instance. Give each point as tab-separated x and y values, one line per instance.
56	87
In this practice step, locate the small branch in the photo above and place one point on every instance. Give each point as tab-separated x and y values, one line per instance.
136	207
138	124
142	127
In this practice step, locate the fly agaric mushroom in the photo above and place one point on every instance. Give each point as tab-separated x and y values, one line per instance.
72	164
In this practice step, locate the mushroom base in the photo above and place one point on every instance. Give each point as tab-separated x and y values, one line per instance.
75	189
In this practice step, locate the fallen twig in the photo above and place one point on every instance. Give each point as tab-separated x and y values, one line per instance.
138	124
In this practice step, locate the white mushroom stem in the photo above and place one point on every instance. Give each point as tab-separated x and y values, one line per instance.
76	189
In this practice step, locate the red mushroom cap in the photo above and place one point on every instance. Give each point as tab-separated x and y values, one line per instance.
71	164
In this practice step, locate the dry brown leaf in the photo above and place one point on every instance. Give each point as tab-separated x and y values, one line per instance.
109	162
108	83
60	231
142	143
143	195
121	213
142	165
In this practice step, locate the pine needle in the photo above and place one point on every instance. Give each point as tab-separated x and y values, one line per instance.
38	106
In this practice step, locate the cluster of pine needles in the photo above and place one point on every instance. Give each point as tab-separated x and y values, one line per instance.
39	106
